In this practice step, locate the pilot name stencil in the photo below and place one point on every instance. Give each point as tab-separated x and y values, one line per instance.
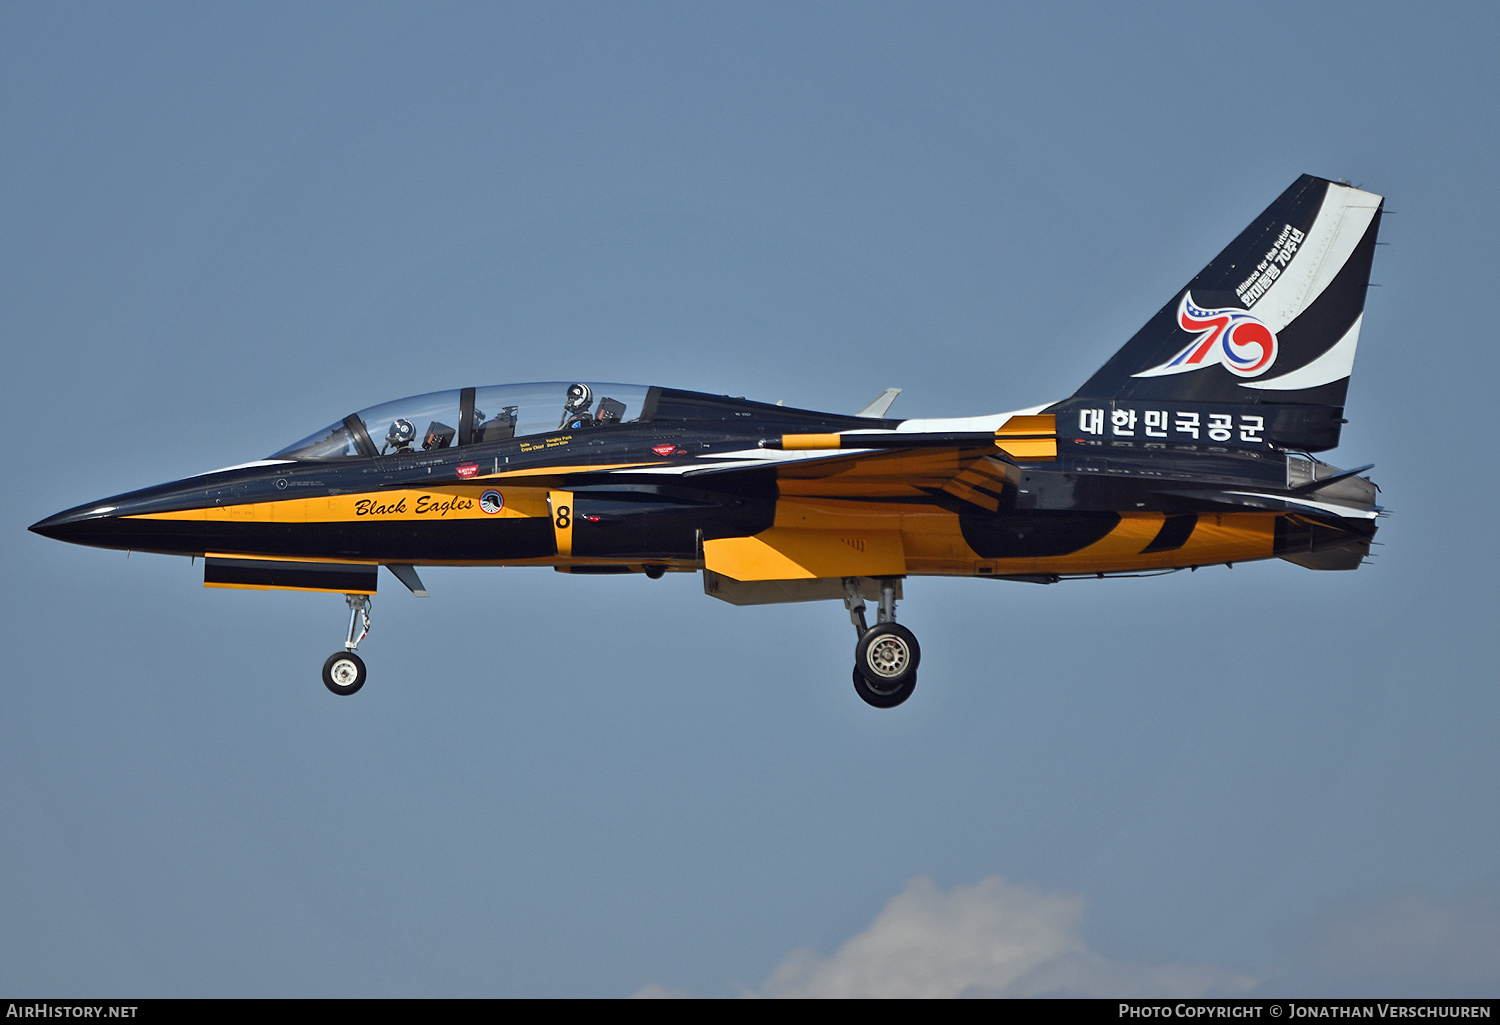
537	446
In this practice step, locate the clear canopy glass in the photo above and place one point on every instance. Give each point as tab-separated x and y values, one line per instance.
471	416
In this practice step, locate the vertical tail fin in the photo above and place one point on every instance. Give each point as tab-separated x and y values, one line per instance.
1273	321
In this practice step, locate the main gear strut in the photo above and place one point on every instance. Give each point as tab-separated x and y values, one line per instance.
886	654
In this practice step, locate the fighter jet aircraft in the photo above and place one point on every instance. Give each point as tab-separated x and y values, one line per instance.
1192	446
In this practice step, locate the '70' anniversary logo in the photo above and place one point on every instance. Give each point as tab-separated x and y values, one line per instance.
1231	338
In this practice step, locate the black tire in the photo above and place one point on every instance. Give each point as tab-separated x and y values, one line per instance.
885	664
337	670
882	698
886	653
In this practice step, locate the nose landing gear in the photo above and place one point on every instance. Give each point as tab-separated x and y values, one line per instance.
887	654
344	672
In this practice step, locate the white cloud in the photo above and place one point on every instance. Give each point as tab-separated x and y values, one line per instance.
990	939
994	938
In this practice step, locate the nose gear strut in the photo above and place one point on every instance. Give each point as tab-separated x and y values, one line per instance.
359	609
344	672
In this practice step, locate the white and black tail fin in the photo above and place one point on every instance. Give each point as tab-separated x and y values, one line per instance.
1272	322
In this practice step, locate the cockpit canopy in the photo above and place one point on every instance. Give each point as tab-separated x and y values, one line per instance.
468	416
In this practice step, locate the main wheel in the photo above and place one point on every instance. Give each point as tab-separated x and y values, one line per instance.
885	664
883	698
344	672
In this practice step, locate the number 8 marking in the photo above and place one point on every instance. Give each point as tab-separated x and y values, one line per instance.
563	517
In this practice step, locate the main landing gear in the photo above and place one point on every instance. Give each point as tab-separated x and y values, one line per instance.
886	655
344	672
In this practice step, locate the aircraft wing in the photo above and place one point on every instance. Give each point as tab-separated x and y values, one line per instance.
974	471
973	467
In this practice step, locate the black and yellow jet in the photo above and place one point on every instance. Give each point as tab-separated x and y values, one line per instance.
1191	446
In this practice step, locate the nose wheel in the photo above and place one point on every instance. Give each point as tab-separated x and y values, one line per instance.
887	654
344	672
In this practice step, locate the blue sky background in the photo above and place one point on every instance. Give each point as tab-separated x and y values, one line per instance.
225	226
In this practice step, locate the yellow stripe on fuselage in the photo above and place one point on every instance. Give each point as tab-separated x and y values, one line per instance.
426	505
441	501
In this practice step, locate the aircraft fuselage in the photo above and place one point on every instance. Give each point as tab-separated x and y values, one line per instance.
629	505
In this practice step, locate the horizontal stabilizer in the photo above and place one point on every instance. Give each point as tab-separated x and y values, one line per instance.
1273	502
1321	483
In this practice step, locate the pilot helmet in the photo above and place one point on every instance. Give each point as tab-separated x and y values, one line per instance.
579	398
401	433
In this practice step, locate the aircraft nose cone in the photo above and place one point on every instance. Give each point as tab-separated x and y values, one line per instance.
80	525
